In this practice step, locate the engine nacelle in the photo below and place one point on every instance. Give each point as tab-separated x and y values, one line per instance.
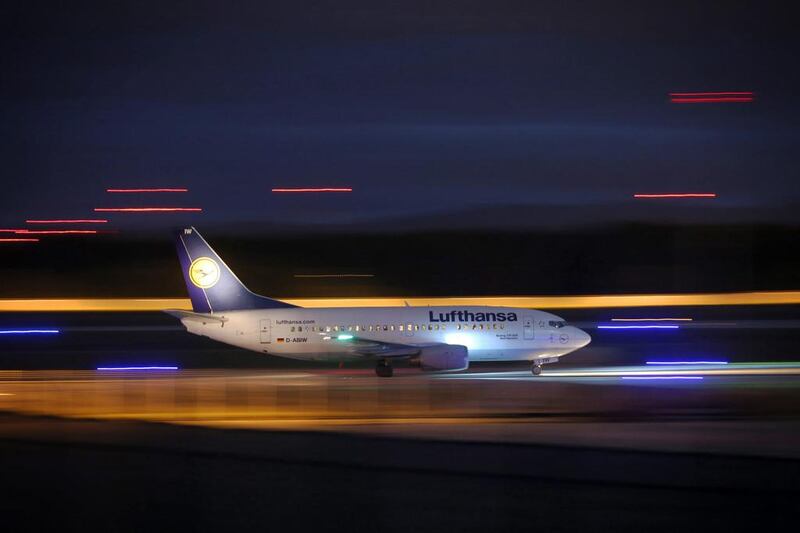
442	357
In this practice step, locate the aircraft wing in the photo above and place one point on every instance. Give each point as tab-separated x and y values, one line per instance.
435	356
373	348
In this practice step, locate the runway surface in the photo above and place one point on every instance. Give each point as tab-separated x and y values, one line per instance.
727	380
706	436
749	409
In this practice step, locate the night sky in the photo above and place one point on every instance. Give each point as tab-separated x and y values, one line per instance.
424	108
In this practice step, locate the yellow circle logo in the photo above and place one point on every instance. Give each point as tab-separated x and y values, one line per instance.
204	272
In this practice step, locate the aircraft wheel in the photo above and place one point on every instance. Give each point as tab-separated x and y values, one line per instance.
536	369
384	369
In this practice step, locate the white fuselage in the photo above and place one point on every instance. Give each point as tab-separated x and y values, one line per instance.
324	334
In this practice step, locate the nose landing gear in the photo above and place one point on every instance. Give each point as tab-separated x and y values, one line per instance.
384	369
536	368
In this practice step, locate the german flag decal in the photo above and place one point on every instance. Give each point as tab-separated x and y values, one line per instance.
279	339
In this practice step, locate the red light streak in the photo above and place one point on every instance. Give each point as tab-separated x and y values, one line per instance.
720	100
678	195
18	240
69	221
711	97
8	230
722	93
145	209
57	232
311	189
157	189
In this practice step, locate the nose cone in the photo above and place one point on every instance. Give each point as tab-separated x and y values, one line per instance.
581	338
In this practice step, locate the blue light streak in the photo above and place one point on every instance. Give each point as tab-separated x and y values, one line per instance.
28	331
662	377
687	362
137	368
653	326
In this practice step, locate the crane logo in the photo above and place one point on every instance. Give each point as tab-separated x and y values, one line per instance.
204	272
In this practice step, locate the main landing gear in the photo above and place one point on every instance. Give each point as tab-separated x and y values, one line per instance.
384	369
536	368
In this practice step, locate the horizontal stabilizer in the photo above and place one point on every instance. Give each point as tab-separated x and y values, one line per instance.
197	317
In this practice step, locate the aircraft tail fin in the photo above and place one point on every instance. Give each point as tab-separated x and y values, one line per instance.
212	286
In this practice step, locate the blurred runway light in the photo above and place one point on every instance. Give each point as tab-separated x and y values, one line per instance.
647	326
11	230
662	377
157	189
334	275
28	331
137	368
19	240
313	189
668	363
676	195
651	319
145	209
718	97
69	221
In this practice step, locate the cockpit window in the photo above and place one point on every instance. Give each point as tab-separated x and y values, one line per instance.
557	323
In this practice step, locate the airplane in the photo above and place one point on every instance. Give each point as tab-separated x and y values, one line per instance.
441	338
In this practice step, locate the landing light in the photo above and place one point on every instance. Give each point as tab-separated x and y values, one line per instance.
344	337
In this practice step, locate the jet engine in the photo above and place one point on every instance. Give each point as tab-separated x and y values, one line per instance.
442	357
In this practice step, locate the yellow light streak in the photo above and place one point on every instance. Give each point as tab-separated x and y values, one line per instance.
534	302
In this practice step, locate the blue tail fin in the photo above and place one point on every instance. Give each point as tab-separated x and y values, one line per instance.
212	286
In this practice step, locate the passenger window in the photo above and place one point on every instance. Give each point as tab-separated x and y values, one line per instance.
292	328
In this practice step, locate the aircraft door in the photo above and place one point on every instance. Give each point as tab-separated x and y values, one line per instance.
527	328
266	331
